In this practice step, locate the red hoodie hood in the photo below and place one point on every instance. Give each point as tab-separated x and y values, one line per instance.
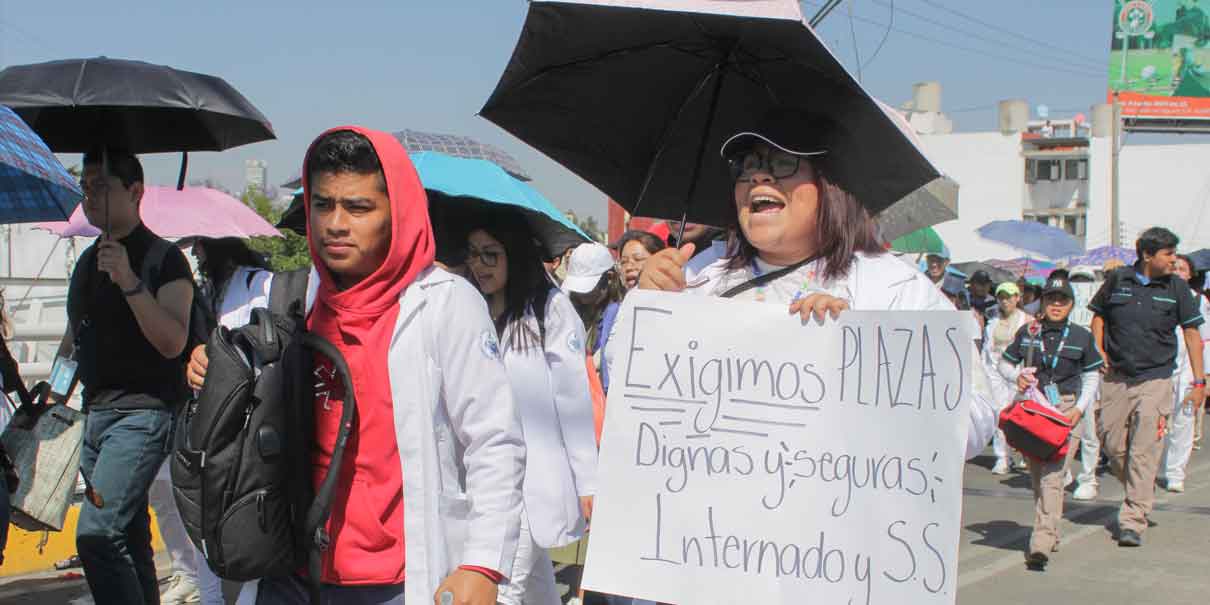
367	537
412	247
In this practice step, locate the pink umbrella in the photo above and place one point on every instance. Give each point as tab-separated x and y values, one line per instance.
173	214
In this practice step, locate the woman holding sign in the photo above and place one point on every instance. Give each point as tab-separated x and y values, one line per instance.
799	238
1062	361
542	343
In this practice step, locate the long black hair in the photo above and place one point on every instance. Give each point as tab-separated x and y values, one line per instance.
224	255
612	291
528	286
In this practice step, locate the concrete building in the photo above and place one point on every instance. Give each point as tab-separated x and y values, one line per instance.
1058	172
256	175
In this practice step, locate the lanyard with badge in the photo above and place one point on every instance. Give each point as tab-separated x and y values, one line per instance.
1051	389
63	374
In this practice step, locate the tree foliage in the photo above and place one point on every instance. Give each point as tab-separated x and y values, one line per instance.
284	253
589	226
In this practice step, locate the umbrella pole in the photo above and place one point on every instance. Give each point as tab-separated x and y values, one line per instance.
105	179
180	180
701	147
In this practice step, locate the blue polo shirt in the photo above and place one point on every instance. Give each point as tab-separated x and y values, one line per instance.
1141	317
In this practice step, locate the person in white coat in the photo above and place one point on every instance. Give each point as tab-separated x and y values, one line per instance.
1178	443
793	216
542	340
431	488
997	335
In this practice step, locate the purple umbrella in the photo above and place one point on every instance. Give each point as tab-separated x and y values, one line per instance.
169	213
1098	256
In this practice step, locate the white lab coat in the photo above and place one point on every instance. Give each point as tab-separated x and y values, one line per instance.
555	404
242	294
880	283
1182	423
459	436
991	357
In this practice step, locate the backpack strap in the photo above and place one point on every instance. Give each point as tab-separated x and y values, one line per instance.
288	287
153	262
321	507
88	264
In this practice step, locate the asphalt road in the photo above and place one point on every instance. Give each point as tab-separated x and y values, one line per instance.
997	514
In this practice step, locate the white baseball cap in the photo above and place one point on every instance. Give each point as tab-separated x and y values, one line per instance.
587	264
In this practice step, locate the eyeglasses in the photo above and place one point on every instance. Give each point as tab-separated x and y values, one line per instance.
778	164
626	261
486	257
93	186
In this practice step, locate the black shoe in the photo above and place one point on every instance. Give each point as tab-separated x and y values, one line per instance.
1036	561
1130	538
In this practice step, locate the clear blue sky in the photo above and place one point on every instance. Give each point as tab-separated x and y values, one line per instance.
430	65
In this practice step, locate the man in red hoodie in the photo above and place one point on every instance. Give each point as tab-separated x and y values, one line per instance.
429	497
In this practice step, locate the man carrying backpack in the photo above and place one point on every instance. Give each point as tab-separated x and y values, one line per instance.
428	495
128	316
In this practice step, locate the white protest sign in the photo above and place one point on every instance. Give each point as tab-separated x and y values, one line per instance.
751	458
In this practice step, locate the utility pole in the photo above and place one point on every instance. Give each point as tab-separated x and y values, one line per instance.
1115	137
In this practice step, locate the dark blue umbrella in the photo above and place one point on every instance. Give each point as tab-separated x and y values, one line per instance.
34	186
1032	237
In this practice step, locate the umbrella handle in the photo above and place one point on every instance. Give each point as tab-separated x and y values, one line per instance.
180	180
719	72
105	177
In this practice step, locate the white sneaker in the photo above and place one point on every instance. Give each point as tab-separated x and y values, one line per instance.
1001	467
1176	487
1022	464
1086	491
182	590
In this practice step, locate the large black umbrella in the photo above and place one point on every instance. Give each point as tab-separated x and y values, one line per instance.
637	98
77	105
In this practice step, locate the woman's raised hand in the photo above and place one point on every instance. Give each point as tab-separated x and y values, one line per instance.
665	270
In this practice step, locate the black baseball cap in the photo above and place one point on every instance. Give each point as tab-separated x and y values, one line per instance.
1059	285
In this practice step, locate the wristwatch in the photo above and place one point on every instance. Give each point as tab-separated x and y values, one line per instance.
135	290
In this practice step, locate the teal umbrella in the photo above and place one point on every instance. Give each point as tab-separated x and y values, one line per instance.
920	241
458	186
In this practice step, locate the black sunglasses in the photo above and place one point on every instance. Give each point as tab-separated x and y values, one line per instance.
778	164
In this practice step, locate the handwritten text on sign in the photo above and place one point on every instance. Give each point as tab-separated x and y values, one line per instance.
751	458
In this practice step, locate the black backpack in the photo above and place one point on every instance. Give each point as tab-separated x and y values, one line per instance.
241	470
